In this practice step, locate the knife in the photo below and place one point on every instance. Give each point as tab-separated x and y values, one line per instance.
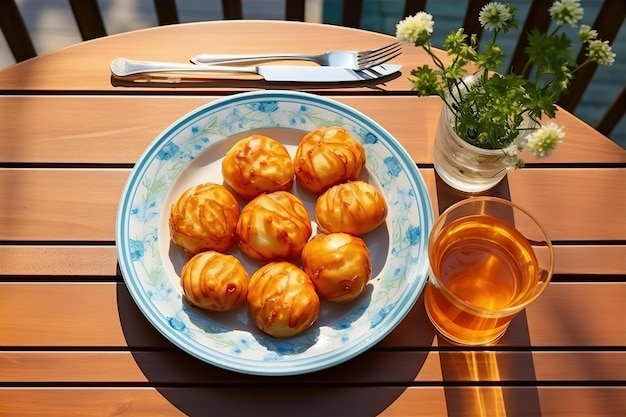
123	67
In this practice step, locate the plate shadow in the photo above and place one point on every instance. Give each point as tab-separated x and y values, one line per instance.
365	385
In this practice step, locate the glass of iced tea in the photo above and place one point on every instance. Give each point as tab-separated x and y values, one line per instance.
489	259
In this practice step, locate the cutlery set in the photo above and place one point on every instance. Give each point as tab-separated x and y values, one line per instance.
333	66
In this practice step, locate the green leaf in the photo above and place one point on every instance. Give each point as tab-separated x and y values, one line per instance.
425	81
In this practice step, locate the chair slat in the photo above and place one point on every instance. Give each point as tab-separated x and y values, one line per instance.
608	23
15	31
613	115
351	13
232	9
89	19
538	17
471	23
413	6
167	13
294	10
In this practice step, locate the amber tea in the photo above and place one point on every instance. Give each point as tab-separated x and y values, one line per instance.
483	271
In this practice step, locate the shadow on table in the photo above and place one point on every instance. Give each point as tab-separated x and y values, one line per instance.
173	82
365	385
491	382
447	196
481	382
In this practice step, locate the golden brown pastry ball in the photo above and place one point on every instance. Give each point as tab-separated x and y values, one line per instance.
354	207
214	281
204	218
339	265
328	156
257	164
282	299
273	226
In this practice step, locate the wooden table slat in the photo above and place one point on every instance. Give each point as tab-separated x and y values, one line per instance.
91	136
104	315
331	401
373	367
31	262
90	61
81	204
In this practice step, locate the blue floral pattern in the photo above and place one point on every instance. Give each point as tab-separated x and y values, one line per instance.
245	349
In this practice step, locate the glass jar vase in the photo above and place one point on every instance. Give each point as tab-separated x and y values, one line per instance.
464	166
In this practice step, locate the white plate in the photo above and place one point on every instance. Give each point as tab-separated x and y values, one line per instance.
190	152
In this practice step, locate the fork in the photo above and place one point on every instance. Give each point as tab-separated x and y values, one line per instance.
356	60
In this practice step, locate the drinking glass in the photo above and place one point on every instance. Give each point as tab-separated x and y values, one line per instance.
489	259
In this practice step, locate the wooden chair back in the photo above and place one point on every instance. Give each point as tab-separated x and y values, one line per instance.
608	22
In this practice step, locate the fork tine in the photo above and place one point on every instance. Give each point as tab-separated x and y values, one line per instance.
379	58
379	52
380	61
370	52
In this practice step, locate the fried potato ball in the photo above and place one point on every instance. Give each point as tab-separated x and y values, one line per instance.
327	156
258	164
204	218
282	299
354	207
273	226
214	281
339	264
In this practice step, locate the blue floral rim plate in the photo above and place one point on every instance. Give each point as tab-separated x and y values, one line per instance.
189	152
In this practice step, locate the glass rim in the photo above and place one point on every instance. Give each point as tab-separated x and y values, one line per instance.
469	306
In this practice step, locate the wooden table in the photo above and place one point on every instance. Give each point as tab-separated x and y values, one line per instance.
75	344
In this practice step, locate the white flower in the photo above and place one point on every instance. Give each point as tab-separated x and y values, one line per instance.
512	149
510	158
585	33
415	28
566	11
494	16
543	141
600	52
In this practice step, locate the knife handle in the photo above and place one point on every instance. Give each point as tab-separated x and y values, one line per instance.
122	67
